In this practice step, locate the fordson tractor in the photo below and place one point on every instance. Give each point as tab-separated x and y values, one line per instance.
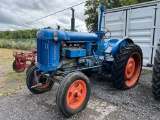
75	55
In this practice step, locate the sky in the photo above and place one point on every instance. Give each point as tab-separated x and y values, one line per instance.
14	14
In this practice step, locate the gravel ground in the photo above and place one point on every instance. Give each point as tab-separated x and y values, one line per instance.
106	103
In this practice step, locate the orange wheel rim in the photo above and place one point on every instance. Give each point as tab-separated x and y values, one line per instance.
76	94
132	70
45	83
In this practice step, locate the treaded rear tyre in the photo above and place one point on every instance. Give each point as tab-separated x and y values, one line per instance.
127	66
73	93
156	74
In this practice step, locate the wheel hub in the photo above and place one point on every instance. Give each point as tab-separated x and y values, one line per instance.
76	94
44	82
130	68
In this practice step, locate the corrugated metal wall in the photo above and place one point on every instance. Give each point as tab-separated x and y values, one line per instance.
140	27
136	22
115	22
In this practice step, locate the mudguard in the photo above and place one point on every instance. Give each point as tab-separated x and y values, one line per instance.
119	44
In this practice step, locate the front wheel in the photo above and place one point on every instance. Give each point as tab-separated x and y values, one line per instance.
31	81
29	68
127	66
73	93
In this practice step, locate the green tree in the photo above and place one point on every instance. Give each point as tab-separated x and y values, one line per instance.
92	11
130	2
18	34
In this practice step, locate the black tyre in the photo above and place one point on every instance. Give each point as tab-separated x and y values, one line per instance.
87	73
31	81
127	66
156	74
29	68
18	66
73	93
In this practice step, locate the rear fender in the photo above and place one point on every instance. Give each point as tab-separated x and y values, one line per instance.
119	44
106	46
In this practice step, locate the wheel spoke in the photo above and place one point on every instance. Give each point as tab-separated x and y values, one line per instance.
78	99
80	88
73	88
70	97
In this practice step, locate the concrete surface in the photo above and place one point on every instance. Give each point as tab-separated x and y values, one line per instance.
106	103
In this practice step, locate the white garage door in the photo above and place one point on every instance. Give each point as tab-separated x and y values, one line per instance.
140	28
115	22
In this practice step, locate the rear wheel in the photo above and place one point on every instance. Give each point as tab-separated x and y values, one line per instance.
18	66
156	74
73	93
127	66
31	81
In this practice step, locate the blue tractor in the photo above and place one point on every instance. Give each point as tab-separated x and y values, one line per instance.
75	56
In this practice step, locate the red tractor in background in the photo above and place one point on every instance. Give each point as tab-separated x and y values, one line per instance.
21	58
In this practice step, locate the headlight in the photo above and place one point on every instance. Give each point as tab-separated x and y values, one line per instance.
56	36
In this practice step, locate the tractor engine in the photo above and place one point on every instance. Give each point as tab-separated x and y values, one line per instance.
75	56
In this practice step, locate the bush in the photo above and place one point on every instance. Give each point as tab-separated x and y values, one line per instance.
3	44
27	45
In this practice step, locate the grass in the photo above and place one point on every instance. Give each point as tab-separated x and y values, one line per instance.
10	81
13	83
144	71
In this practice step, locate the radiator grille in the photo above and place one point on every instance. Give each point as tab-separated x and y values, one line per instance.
47	54
43	52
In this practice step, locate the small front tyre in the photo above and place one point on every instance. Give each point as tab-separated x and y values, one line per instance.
31	81
127	66
29	68
73	93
